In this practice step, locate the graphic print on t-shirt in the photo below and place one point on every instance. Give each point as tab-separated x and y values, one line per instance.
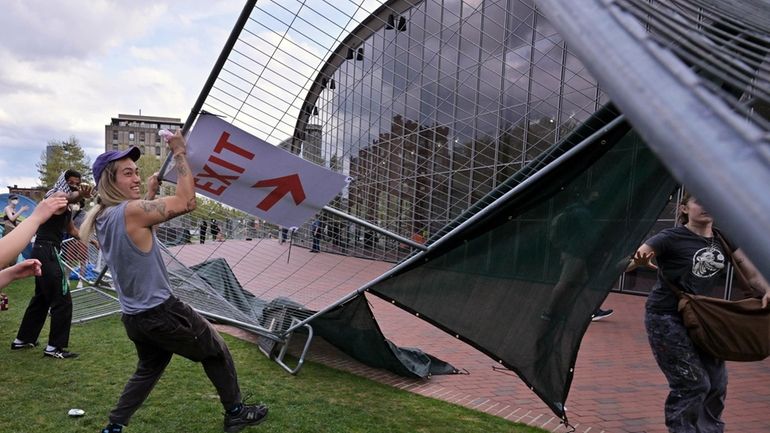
706	262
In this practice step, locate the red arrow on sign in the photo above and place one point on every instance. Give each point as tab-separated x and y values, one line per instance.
283	185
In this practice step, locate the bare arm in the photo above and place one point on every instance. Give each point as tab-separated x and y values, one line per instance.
752	274
72	230
26	268
12	243
147	213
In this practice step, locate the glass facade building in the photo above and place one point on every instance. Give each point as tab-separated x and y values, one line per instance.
426	105
429	106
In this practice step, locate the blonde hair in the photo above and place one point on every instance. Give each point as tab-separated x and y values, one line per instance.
107	195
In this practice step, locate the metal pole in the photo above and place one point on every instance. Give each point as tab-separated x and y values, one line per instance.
472	220
378	229
242	325
704	142
229	44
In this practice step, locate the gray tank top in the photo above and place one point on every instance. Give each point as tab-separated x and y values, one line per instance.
140	278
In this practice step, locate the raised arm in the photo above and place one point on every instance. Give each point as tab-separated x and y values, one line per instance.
147	213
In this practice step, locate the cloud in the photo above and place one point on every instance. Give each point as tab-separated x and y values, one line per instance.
68	67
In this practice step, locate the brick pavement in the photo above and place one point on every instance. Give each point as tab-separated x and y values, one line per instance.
617	387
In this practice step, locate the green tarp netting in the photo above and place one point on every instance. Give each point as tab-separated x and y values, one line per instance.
350	327
521	283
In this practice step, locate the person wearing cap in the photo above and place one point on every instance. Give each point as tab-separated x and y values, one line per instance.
52	287
158	323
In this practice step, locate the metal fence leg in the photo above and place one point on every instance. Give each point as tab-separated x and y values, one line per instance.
284	349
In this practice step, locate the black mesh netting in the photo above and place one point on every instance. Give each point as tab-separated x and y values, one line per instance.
521	283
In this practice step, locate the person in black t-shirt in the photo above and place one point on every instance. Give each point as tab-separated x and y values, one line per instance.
52	287
688	256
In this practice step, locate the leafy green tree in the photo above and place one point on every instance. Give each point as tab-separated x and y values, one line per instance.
149	164
61	156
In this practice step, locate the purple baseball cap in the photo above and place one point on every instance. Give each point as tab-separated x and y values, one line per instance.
105	158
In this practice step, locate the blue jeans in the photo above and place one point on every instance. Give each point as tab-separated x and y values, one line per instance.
697	381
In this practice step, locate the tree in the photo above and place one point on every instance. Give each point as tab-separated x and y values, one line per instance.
60	156
148	165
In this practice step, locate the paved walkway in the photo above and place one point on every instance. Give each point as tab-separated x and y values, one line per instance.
617	386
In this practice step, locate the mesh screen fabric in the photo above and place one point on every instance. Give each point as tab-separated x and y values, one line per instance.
521	285
692	77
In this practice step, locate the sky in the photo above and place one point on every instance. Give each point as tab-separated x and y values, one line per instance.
67	68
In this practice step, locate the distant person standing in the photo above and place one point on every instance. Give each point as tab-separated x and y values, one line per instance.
11	216
11	220
316	231
214	230
203	228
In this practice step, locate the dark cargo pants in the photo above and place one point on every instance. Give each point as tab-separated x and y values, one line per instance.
697	381
158	333
50	295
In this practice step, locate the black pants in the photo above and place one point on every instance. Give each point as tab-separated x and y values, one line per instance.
158	333
49	288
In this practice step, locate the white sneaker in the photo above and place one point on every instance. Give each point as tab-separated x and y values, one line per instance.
80	284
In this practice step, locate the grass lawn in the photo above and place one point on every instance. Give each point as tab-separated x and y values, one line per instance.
37	392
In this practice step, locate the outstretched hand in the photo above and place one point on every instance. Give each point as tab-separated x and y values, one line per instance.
86	191
27	268
641	259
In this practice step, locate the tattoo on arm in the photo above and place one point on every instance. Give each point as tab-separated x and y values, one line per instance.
156	206
181	164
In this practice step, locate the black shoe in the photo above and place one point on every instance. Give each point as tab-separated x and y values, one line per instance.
59	354
601	314
250	414
112	428
19	346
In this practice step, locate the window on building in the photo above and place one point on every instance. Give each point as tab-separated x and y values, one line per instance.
157	150
131	136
